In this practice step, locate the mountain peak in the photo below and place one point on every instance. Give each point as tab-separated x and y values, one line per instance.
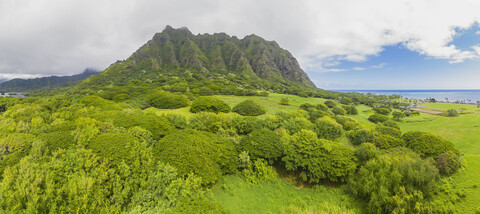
251	61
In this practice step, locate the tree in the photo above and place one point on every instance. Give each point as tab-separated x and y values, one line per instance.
330	104
452	113
327	128
384	111
396	182
210	104
337	110
398	115
427	144
318	159
202	153
357	137
249	108
378	118
462	110
168	101
262	143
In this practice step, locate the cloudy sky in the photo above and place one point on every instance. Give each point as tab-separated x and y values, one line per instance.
341	44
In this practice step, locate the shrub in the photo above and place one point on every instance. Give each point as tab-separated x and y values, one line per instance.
327	128
315	114
293	125
351	109
448	163
397	182
57	140
381	129
330	104
386	141
378	118
381	110
121	97
307	106
427	145
322	107
114	147
209	104
452	113
206	121
357	137
366	152
199	152
244	125
167	101
259	171
398	115
337	110
348	123
391	123
249	108
284	101
177	120
318	159
263	94
262	143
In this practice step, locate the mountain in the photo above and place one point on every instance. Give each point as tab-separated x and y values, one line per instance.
177	57
44	82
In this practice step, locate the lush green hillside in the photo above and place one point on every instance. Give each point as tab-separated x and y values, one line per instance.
167	131
44	82
181	61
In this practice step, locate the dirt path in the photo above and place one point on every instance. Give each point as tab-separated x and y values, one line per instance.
426	111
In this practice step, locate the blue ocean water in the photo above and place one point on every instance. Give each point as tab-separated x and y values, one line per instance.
440	95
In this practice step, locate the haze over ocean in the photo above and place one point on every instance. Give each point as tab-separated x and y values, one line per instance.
439	95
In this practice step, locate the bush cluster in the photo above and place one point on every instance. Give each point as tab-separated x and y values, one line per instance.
209	104
249	108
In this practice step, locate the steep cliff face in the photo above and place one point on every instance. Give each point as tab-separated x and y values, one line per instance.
250	56
219	59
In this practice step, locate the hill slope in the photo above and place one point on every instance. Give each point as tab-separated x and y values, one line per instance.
204	59
43	82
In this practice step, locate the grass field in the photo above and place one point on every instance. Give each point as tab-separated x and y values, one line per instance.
464	132
278	196
271	103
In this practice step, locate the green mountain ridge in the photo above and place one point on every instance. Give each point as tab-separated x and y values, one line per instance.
223	59
44	82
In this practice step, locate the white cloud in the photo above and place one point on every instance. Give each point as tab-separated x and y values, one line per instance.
358	68
65	36
381	65
477	32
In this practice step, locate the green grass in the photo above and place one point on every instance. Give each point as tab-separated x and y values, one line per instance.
278	196
446	106
464	132
271	104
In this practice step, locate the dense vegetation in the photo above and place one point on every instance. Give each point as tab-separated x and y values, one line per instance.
152	135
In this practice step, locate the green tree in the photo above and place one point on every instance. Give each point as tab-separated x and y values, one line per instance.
318	159
396	182
262	143
327	128
249	108
209	104
398	115
427	144
203	153
337	110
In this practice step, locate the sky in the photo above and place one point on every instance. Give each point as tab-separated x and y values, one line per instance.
341	44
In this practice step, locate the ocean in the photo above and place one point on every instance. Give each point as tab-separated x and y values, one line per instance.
465	96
